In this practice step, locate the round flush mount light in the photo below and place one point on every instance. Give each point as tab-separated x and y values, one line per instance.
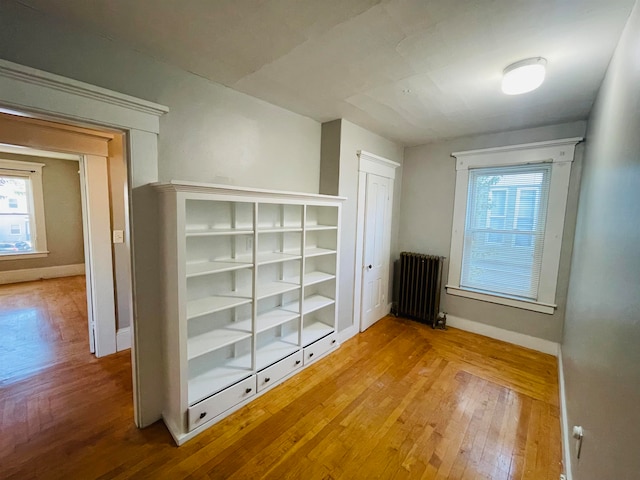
523	76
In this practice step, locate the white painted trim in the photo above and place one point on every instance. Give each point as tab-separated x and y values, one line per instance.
521	146
527	341
123	339
19	150
209	188
348	333
511	302
371	163
32	171
181	438
100	284
357	277
377	165
558	152
25	167
117	106
564	422
23	256
31	274
40	94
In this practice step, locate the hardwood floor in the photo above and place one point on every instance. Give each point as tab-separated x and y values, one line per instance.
398	401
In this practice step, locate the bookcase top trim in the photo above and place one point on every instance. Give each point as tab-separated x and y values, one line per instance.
195	187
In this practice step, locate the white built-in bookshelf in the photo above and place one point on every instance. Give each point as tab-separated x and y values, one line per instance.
250	291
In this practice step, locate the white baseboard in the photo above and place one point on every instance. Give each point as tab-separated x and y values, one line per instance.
123	339
534	343
31	274
564	422
347	333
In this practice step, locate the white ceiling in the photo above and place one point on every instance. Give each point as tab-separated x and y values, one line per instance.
411	70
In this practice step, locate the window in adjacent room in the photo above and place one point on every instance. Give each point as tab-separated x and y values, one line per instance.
22	223
508	222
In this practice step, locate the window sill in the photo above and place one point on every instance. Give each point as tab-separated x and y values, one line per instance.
23	256
510	302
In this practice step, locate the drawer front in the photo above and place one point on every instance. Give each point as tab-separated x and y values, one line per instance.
320	347
206	410
275	372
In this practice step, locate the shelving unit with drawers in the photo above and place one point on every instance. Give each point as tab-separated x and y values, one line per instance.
250	292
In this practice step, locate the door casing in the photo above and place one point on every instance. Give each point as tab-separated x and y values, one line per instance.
374	164
53	97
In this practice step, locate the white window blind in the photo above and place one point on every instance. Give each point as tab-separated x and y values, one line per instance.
505	229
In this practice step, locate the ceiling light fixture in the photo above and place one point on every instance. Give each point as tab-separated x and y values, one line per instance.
523	76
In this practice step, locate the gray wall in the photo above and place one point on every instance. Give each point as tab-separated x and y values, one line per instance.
63	214
426	219
601	346
212	134
345	138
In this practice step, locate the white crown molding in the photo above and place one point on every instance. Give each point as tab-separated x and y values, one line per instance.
371	163
38	77
377	158
29	92
522	146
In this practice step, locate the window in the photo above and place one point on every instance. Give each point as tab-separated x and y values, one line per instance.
505	245
22	227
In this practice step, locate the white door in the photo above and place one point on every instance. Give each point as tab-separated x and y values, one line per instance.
375	258
98	259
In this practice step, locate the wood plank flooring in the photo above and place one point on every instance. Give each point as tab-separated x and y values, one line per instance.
398	401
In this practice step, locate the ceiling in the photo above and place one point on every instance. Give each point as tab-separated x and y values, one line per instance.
412	70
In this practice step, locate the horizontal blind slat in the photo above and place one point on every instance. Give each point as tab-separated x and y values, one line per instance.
504	229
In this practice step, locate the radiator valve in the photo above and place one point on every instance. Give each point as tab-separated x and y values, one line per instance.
441	321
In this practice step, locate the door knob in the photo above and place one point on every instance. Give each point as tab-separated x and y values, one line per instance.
370	267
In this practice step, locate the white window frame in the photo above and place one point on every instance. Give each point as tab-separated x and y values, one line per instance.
558	152
32	171
490	215
516	213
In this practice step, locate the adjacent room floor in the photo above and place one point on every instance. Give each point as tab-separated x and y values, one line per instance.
399	401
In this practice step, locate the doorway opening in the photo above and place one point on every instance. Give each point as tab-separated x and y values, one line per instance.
79	176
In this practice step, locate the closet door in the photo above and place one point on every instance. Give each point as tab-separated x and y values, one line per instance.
377	229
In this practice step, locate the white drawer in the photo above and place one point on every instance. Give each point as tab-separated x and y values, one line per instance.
275	372
213	406
320	347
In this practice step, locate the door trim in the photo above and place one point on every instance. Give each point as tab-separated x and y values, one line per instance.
101	308
26	90
368	163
